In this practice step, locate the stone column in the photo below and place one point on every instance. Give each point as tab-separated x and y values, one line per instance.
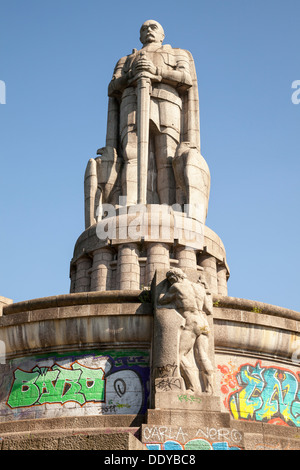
83	280
222	279
128	267
158	258
101	271
174	374
209	264
187	259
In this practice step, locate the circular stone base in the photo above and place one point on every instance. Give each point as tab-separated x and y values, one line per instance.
123	251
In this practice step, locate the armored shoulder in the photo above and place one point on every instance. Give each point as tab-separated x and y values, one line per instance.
177	58
119	66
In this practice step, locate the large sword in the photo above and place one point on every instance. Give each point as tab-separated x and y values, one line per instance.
143	115
142	119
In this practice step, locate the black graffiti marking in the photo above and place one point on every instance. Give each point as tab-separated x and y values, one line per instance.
120	387
168	370
67	387
168	384
109	409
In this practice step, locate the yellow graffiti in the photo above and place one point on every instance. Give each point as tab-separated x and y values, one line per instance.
265	394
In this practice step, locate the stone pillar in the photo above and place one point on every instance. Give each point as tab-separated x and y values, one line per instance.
101	271
187	259
209	264
142	262
222	279
128	267
158	258
165	357
83	280
175	374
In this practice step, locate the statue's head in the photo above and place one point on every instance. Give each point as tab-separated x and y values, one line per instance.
175	275
151	32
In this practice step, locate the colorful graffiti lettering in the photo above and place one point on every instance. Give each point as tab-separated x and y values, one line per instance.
116	383
193	444
266	394
57	385
191	398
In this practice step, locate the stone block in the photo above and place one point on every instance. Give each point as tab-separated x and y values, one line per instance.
186	401
191	418
189	437
4	301
78	440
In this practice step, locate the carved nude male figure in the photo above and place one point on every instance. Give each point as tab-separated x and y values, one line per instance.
171	74
193	302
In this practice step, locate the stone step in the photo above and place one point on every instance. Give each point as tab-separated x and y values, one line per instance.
74	439
71	422
57	433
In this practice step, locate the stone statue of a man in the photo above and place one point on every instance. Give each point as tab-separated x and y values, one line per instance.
173	115
194	303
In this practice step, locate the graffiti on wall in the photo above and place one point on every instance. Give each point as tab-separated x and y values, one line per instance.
178	438
57	384
193	444
265	394
117	383
228	383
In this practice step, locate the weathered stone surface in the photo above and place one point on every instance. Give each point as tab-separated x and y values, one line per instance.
79	440
4	301
180	244
76	319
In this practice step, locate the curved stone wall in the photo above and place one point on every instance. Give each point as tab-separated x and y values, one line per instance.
258	361
76	355
76	321
100	265
88	355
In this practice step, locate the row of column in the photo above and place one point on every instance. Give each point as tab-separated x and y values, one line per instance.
96	273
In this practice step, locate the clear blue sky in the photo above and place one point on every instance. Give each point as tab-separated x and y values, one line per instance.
57	57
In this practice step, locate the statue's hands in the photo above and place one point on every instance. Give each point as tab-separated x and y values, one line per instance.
144	68
143	64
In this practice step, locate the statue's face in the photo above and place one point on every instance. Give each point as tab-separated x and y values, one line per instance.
151	31
173	278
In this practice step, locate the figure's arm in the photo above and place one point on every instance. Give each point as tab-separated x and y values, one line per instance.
208	304
119	80
169	297
178	76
